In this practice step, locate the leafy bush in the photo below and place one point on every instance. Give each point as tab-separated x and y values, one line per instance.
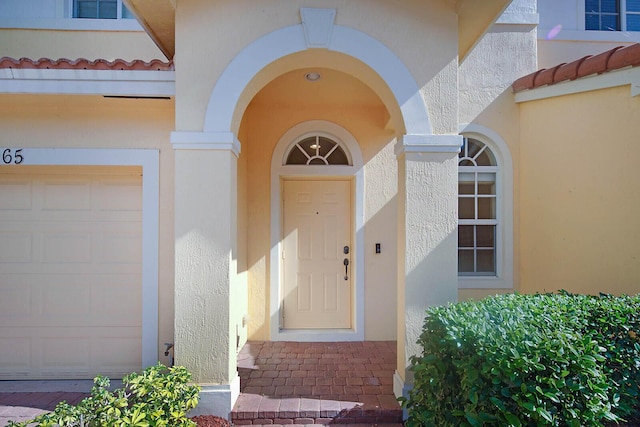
159	396
528	360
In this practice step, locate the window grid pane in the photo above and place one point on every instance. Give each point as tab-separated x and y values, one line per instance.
477	210
107	9
317	150
633	21
603	15
609	23
99	9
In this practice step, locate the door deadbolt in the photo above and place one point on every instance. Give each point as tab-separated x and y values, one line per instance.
346	250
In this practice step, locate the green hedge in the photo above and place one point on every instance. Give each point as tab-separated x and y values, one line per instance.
528	360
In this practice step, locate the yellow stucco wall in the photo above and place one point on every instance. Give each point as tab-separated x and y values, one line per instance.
31	121
74	44
578	203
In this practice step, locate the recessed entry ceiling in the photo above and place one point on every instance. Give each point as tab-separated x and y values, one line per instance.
332	89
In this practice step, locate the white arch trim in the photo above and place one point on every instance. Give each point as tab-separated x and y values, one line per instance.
285	41
504	277
278	171
149	161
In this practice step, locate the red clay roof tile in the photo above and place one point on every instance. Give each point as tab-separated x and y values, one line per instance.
613	59
85	64
545	77
629	56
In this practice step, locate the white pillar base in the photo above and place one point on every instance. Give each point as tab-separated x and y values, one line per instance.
401	389
217	400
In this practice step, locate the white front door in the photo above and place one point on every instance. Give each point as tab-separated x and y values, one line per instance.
317	288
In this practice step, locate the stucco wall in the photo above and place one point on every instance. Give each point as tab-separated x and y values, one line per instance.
578	206
56	44
505	53
44	29
29	121
228	27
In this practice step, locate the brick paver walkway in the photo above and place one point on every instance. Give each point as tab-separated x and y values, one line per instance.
322	383
282	383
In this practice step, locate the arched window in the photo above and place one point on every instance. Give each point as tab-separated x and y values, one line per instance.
316	150
477	210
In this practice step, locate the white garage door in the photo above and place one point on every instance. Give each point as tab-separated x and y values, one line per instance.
70	271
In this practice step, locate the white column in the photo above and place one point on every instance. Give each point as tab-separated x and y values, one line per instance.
205	264
427	237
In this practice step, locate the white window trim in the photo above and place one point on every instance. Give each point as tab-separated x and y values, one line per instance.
149	161
504	212
582	13
279	171
624	37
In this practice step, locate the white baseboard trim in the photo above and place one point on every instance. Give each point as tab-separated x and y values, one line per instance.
217	400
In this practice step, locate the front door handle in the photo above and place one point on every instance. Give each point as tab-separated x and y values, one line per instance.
346	268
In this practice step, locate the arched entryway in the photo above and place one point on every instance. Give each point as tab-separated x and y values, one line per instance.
231	221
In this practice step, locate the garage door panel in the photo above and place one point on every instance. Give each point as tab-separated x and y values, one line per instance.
70	272
66	247
65	302
117	351
16	246
99	242
15	302
77	352
65	354
15	194
120	195
67	195
70	300
120	243
117	305
15	353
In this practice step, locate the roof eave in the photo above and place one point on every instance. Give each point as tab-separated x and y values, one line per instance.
474	19
157	17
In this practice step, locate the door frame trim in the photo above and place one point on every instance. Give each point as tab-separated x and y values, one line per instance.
354	173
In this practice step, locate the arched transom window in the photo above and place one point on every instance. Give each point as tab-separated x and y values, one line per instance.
477	210
317	150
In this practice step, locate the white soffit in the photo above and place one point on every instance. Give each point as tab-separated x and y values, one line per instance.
87	82
623	77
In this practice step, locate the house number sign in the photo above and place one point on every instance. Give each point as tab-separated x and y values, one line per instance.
12	156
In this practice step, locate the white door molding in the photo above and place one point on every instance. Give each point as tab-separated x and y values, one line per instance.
355	172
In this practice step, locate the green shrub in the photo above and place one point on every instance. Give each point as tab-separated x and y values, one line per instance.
159	396
527	360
